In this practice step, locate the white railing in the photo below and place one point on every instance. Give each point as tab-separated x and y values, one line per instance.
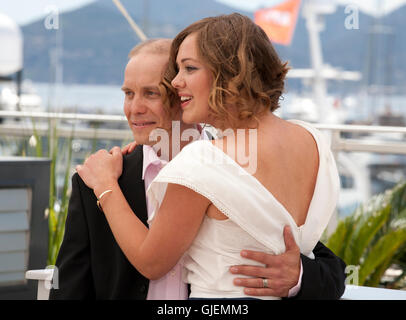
16	129
62	116
362	145
338	143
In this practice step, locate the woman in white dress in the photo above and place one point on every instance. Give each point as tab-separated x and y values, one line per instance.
210	201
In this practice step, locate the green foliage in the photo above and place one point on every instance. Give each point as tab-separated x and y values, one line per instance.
60	152
58	202
374	236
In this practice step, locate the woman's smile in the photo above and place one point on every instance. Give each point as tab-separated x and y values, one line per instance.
185	100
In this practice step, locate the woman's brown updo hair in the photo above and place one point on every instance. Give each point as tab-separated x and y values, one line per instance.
248	74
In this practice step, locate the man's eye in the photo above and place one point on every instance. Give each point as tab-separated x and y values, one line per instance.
152	93
129	94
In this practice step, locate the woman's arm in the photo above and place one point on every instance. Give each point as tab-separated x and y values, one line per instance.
155	251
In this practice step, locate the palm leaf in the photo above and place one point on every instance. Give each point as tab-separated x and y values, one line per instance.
375	277
369	223
53	215
337	240
373	237
60	228
383	249
397	198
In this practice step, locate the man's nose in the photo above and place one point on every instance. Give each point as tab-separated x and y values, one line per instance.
178	82
138	105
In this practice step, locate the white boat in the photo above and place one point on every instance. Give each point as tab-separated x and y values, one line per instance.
15	95
28	100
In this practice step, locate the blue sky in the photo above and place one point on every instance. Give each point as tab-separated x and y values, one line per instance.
25	11
250	5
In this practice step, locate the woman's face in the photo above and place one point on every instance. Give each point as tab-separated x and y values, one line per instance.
193	82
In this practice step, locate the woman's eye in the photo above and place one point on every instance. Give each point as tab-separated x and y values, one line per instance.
190	68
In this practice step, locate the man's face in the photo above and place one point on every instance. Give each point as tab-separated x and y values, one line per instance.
143	105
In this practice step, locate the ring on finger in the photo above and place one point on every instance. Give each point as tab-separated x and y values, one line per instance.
265	283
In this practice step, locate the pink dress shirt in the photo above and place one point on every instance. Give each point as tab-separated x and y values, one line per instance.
170	286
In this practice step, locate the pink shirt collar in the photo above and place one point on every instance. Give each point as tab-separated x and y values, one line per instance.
152	159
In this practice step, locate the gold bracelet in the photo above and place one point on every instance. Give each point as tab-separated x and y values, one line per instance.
99	198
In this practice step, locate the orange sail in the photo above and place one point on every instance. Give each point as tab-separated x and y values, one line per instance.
279	21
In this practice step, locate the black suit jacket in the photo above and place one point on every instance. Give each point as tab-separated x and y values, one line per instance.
90	263
92	266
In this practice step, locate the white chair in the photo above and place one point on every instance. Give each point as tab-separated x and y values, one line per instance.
44	277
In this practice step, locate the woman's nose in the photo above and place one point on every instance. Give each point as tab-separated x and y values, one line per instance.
177	82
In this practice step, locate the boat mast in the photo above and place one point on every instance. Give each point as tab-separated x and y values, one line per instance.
312	12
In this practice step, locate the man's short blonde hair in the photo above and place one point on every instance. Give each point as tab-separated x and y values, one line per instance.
153	46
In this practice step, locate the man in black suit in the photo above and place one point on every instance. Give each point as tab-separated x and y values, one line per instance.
90	263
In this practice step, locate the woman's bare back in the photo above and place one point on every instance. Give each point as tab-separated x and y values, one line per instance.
287	165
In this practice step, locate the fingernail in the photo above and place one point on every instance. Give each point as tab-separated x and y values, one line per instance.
244	253
237	281
233	269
